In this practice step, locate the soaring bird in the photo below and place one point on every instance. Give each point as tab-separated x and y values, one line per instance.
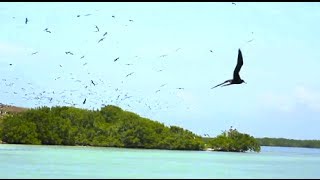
97	29
26	20
93	83
101	40
105	33
129	74
82	57
113	16
84	101
69	52
34	53
116	59
236	77
46	30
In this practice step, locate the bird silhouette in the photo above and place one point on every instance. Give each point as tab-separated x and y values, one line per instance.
26	20
93	83
116	59
47	30
101	40
34	53
113	16
236	77
69	53
84	101
105	33
82	57
129	74
234	3
97	29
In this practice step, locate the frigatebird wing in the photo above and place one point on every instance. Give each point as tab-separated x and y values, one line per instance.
236	71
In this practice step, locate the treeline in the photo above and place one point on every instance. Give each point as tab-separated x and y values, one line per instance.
233	141
288	142
110	127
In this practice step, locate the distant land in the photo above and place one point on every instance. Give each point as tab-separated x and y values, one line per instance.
266	141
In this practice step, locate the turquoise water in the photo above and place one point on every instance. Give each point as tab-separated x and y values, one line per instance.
33	161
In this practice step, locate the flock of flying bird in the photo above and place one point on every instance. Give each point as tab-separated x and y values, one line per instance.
235	80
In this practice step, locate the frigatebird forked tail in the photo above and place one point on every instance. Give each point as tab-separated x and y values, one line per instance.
223	83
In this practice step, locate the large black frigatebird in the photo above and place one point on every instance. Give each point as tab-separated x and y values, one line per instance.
236	77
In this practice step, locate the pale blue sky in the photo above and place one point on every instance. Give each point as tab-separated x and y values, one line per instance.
281	97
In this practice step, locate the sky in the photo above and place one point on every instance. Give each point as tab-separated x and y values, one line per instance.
167	46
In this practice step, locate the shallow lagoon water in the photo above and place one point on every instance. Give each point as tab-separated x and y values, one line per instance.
41	161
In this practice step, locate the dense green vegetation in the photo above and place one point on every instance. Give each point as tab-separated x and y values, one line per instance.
288	142
110	126
234	141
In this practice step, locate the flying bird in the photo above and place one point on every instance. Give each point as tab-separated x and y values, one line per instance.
234	3
131	20
47	30
129	74
85	64
97	29
93	83
87	15
101	40
34	53
26	20
211	51
69	53
163	55
236	77
180	88
82	57
105	33
113	16
78	15
116	59
250	40
84	101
